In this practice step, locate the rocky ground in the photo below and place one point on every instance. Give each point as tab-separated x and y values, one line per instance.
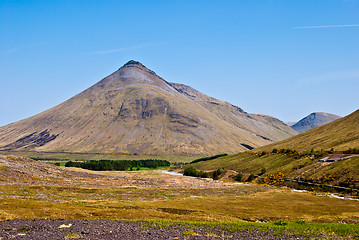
21	170
110	229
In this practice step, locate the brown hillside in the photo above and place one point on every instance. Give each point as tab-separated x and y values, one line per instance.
135	111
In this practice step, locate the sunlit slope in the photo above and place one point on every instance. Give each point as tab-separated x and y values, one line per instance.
340	134
135	111
344	172
251	163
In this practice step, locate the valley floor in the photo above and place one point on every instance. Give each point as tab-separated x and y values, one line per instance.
35	190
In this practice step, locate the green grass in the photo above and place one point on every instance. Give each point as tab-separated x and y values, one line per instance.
148	169
72	236
300	228
62	164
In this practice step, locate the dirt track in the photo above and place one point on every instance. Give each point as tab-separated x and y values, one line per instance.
108	229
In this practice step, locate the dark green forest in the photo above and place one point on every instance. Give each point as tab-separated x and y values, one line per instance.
118	165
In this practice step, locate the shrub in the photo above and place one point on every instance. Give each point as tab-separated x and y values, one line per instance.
216	174
262	153
203	174
263	171
251	178
191	171
239	177
281	222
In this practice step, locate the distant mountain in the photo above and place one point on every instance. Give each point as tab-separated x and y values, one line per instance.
135	111
314	120
340	134
290	123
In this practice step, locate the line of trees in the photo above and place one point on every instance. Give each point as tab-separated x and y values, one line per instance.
208	158
118	165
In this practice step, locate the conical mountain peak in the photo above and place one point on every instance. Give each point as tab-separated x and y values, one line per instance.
133	110
133	62
136	65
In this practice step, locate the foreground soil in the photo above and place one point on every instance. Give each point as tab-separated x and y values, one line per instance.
111	229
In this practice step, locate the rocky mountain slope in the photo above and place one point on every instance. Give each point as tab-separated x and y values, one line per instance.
314	120
135	111
340	134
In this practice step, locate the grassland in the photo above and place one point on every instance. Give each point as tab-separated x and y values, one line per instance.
242	203
340	173
252	163
143	195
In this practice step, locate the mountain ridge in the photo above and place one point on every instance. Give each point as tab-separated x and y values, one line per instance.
133	110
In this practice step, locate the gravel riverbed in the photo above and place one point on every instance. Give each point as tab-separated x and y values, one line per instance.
113	229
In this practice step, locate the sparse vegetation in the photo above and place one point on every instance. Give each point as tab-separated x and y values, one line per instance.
352	151
189	233
23	229
294	165
72	236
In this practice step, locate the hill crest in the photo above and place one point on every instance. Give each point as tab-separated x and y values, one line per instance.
340	134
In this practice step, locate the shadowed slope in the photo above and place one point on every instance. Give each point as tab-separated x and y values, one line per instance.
135	111
314	120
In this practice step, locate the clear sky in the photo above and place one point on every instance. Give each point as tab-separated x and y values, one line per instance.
277	57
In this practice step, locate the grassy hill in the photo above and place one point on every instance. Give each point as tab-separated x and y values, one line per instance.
342	173
250	163
340	134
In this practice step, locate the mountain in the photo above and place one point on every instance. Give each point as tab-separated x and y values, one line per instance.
340	134
290	123
314	120
135	111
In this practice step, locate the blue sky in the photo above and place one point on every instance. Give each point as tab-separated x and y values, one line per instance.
281	58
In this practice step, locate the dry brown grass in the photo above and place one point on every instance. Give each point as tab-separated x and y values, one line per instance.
182	204
153	195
